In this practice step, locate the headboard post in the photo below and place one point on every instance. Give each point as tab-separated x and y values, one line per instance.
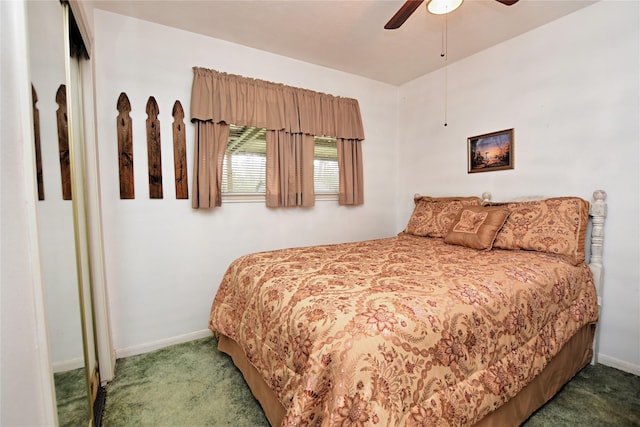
598	213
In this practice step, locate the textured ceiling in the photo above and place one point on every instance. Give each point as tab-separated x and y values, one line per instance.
349	35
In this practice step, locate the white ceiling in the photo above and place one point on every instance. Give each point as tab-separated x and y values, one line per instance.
348	35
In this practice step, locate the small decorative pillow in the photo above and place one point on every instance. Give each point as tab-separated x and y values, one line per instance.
432	216
476	227
556	225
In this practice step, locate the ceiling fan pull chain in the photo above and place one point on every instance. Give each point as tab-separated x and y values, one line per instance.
443	48
445	92
443	54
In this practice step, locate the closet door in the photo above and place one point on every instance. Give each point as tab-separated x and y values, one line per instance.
69	222
48	47
86	214
74	51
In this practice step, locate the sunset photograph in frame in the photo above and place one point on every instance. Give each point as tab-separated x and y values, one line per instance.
490	152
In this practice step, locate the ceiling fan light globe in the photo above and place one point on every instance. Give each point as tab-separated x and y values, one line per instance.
441	7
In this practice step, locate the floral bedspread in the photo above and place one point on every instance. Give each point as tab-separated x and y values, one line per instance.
400	331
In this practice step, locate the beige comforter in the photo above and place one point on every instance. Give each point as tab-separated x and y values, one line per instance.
400	331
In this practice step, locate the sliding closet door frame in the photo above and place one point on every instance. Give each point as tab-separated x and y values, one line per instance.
105	352
78	202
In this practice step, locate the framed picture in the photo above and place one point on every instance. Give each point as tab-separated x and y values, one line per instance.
490	152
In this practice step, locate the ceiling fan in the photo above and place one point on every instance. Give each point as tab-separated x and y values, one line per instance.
437	7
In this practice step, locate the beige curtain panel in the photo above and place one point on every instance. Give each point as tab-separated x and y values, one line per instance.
351	188
230	99
289	169
210	144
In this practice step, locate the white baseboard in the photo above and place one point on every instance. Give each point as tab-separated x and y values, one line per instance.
156	345
619	364
67	365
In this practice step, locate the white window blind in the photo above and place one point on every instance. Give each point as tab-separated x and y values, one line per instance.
244	165
325	165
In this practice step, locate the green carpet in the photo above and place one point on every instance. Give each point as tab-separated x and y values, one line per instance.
193	385
190	384
71	398
597	396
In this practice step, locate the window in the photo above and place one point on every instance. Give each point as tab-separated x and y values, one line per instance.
245	159
325	165
244	166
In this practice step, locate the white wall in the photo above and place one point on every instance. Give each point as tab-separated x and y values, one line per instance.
26	387
164	260
571	91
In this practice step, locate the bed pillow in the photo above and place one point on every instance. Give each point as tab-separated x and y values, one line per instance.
556	225
476	227
433	216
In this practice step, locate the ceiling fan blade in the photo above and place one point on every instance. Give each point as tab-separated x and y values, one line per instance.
508	2
404	13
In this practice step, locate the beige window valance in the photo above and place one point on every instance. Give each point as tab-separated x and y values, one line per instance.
221	97
292	116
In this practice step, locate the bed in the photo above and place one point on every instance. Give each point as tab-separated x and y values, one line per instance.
477	313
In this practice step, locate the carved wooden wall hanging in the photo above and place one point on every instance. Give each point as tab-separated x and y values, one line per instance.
179	152
36	137
63	141
154	150
125	148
